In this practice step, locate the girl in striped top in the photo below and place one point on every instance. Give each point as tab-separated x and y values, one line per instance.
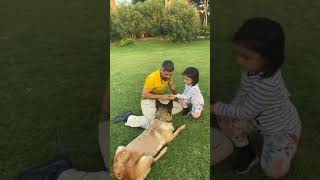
262	102
191	94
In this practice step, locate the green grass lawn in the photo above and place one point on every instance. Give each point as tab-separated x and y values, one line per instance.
188	156
301	71
52	73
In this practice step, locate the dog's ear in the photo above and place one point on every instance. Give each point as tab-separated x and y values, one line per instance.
170	106
158	103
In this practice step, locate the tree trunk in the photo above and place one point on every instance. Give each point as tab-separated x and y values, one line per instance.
205	17
113	6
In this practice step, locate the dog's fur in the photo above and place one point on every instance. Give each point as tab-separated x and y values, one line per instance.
133	162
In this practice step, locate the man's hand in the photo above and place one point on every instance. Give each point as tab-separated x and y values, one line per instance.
172	97
168	97
165	97
147	93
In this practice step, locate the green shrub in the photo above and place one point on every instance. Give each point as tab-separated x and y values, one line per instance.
152	11
127	21
176	23
114	35
180	22
203	31
126	42
170	38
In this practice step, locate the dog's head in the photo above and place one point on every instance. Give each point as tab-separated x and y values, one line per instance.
124	166
164	111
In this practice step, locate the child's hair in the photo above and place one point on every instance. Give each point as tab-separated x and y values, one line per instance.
265	37
192	73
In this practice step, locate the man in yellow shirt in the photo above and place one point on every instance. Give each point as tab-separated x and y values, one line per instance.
157	83
155	87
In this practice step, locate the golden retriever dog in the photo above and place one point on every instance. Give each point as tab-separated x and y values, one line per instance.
133	162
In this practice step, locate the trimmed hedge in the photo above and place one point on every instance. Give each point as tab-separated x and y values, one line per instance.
177	22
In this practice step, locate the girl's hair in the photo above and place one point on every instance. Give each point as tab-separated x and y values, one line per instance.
192	73
265	37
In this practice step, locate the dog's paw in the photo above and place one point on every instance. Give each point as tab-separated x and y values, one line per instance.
164	149
183	126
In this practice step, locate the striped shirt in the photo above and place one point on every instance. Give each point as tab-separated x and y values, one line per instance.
264	99
192	94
